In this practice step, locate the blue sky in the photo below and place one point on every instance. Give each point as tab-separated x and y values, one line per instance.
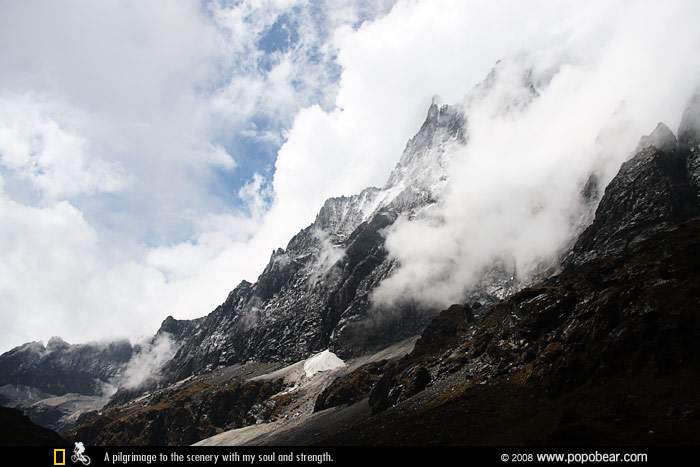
153	154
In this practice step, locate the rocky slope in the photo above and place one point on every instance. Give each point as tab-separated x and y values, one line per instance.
188	411
241	397
604	354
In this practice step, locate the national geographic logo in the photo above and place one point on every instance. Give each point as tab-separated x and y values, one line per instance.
59	457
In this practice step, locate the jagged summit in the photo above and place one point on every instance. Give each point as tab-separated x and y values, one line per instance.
56	343
423	164
508	87
341	215
661	138
657	188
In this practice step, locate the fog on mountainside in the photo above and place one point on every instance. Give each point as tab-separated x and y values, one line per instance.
524	185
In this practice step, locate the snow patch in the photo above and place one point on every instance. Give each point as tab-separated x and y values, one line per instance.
323	361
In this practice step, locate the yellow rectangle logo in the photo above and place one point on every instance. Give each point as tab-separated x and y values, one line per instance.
59	457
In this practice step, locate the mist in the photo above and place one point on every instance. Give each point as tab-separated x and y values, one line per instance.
145	365
544	126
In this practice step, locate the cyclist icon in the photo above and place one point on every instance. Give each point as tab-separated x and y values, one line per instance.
78	454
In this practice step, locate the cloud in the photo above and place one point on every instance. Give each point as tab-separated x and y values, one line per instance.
42	160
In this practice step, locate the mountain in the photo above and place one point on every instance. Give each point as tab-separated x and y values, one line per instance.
54	384
617	316
653	191
60	368
605	352
312	296
315	294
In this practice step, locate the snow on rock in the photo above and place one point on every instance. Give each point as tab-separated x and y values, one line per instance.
323	361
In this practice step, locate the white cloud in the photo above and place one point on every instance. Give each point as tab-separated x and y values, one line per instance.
54	281
51	161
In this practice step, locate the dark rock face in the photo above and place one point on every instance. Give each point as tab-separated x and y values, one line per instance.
353	387
444	330
654	190
60	368
289	313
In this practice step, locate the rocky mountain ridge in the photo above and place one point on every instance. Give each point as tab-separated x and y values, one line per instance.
54	384
60	368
